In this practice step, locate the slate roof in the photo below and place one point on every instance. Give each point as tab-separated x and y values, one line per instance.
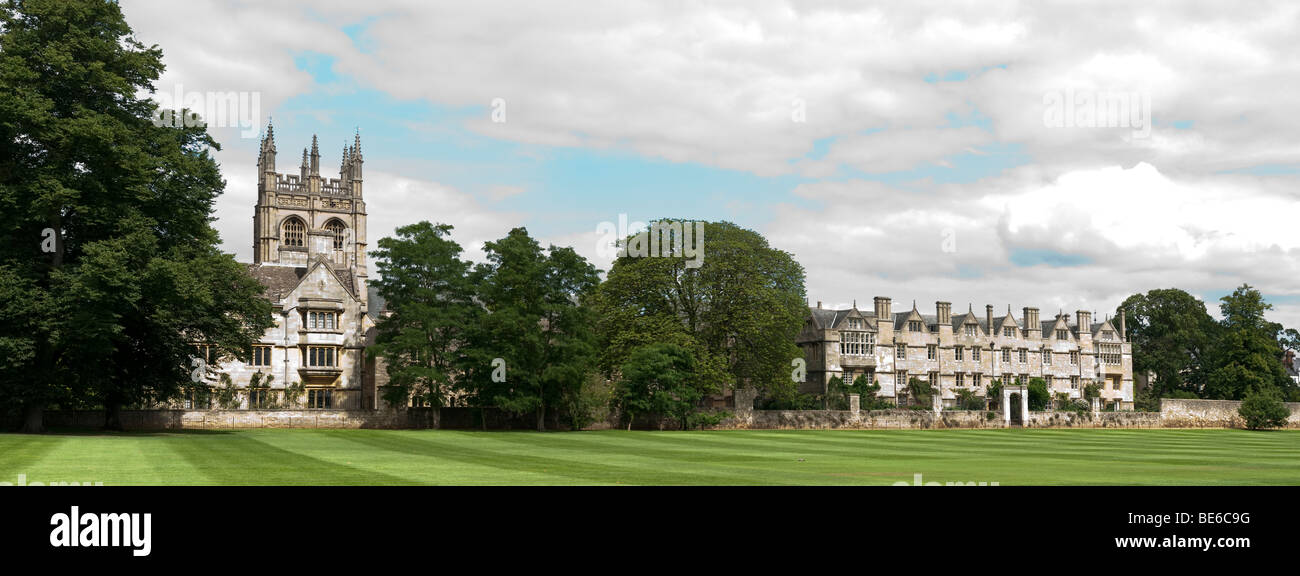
280	280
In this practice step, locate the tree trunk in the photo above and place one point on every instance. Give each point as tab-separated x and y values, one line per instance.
541	417
33	419
113	416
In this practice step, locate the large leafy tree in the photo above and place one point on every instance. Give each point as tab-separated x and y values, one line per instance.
738	312
426	287
107	253
538	330
1172	337
659	379
1248	355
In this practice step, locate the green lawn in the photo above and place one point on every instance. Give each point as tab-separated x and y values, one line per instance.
297	457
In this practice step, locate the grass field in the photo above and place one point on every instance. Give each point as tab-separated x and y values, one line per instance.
373	457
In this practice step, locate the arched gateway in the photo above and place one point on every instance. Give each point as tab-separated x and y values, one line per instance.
1023	392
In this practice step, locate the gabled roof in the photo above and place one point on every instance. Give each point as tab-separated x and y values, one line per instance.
901	318
827	319
281	280
277	280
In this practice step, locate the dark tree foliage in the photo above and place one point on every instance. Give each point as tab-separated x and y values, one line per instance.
109	265
738	312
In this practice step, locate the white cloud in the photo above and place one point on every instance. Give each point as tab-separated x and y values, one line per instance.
717	83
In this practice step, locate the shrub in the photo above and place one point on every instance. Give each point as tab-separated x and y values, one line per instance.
1039	397
1263	409
969	400
837	394
707	419
920	392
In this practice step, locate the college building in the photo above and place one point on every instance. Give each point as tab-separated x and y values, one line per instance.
309	253
966	351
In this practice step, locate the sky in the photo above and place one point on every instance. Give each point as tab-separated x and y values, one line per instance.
1060	156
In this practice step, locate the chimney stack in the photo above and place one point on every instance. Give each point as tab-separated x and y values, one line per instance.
988	316
882	308
1123	330
1084	321
944	312
819	304
1031	320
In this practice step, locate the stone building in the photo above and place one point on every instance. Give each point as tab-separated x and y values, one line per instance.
309	251
966	351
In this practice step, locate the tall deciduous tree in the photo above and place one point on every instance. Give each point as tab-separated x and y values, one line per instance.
659	379
536	344
738	311
425	285
1172	337
1248	356
107	249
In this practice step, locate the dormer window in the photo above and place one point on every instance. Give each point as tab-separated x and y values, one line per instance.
970	330
855	323
914	326
1009	332
1062	334
1107	335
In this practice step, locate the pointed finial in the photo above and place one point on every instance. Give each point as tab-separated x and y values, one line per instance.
855	303
315	150
304	157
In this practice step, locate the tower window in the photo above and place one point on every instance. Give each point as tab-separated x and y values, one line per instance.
337	228
295	233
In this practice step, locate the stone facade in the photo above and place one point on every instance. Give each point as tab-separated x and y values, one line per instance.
309	252
966	350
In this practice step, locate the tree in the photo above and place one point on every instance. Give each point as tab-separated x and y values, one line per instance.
425	285
539	322
1172	337
1264	409
1039	396
1247	356
659	379
967	399
108	230
837	394
738	311
920	391
1289	340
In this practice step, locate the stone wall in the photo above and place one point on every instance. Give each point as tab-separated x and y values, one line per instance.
1094	420
228	419
926	419
1212	414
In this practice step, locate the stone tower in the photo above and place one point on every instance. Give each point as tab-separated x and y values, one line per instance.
294	212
